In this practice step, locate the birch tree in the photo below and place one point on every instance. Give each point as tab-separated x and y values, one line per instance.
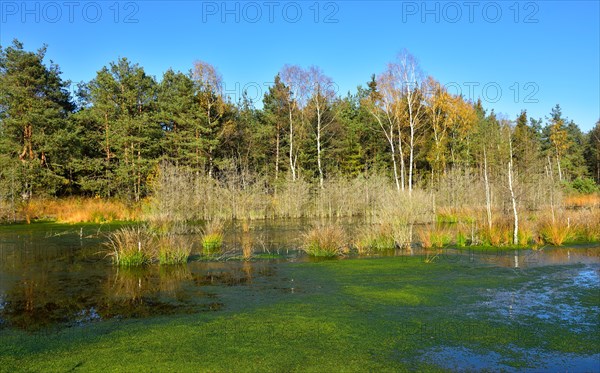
322	93
210	97
383	105
409	78
294	78
511	187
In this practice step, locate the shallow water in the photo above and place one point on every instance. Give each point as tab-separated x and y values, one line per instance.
55	277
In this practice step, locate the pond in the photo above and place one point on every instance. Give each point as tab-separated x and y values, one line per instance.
457	309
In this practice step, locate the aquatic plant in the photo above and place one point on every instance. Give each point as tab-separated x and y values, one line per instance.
375	238
174	249
131	246
325	241
212	238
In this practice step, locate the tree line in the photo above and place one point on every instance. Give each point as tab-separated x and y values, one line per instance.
108	138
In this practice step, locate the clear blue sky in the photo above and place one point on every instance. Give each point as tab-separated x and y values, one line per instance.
549	48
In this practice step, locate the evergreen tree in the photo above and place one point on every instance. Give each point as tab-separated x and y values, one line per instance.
121	112
36	143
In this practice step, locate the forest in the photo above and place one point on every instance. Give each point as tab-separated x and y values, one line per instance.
128	136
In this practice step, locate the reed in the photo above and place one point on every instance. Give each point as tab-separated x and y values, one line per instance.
212	238
325	241
131	246
174	249
375	238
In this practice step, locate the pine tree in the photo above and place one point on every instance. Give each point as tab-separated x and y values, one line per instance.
36	146
121	115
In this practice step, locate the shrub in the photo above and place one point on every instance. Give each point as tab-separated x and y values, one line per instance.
584	185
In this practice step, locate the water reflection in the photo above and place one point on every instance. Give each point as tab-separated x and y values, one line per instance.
51	277
42	297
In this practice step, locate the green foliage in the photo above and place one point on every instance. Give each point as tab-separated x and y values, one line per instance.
126	122
35	136
583	185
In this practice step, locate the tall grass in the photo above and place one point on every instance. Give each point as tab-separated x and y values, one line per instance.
212	237
588	223
583	200
375	238
556	232
173	249
137	246
131	246
82	210
325	241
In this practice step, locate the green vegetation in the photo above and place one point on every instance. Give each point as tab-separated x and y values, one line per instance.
389	314
139	245
131	246
325	241
212	238
176	148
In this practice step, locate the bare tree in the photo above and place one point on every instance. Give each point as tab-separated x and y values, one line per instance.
295	78
381	105
409	76
210	84
322	93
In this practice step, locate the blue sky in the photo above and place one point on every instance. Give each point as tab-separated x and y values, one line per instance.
514	55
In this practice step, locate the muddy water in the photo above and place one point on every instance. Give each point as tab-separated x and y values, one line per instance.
56	276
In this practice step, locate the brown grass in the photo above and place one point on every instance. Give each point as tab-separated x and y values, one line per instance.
557	232
325	241
583	200
499	235
80	210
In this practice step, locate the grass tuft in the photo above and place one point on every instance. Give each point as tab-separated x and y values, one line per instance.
131	246
174	249
556	233
375	239
325	241
212	239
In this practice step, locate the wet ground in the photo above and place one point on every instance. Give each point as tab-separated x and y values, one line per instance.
55	277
